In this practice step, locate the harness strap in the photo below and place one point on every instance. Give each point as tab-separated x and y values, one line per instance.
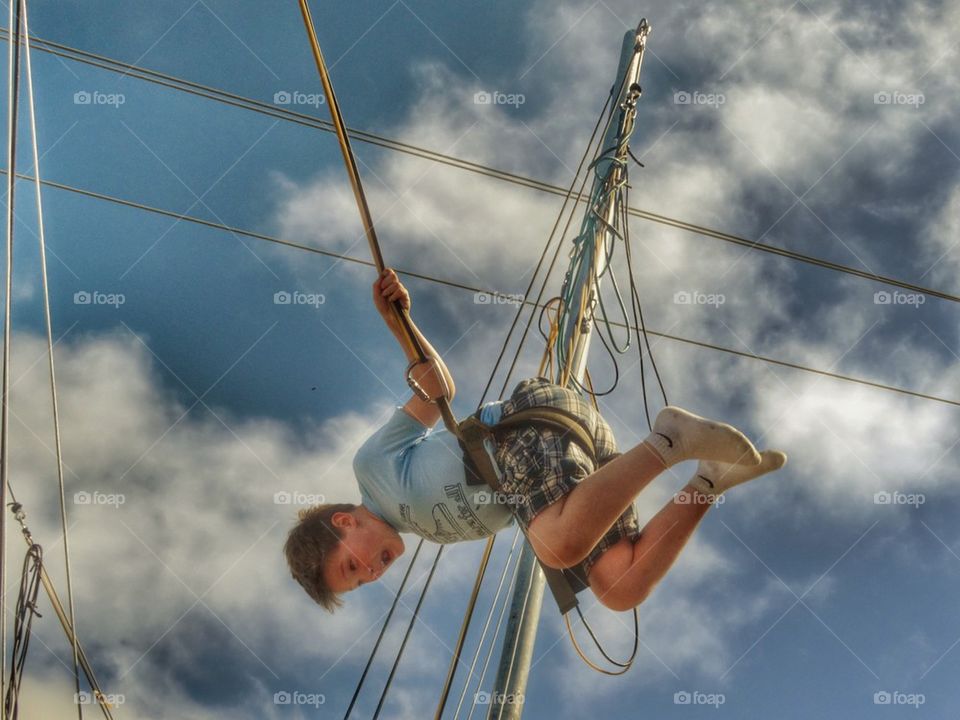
565	422
478	442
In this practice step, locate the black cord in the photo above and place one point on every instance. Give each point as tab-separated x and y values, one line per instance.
628	663
383	630
24	612
406	635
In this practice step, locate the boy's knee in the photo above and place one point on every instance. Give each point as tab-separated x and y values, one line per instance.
556	555
616	601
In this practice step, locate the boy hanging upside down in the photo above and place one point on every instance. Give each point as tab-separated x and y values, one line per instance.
414	480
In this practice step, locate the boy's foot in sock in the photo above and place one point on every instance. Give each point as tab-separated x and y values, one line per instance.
679	435
713	478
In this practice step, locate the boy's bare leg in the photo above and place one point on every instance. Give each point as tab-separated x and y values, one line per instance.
566	531
624	575
576	523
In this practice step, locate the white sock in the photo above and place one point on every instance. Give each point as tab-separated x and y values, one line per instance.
679	435
713	478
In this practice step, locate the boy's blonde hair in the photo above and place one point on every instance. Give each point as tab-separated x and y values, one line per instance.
308	545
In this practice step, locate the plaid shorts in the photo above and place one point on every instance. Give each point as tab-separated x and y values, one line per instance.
541	465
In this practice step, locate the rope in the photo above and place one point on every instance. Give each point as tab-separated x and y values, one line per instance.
53	378
406	635
23	614
409	336
13	98
61	614
464	626
475	289
244	103
486	625
383	630
496	633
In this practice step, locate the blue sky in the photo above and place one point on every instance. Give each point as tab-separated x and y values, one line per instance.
198	398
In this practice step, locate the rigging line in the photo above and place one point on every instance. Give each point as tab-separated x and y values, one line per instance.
383	630
406	635
61	614
467	617
496	633
53	378
409	339
486	625
234	100
24	613
546	249
472	289
566	229
13	96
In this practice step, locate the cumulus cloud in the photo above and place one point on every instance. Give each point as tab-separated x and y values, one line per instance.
175	531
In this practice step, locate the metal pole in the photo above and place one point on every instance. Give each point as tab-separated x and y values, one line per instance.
507	697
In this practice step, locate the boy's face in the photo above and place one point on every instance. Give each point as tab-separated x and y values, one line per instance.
368	546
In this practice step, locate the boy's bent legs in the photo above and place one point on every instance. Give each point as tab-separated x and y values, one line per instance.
566	531
624	575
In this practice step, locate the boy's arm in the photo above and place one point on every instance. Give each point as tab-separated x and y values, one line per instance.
431	374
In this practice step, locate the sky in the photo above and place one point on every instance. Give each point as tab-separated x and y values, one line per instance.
190	397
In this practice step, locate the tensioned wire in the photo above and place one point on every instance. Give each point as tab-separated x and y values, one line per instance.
239	101
50	362
475	289
879	278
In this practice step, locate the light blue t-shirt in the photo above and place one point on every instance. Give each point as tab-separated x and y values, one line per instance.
414	479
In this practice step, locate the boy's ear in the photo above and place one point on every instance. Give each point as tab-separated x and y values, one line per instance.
342	519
